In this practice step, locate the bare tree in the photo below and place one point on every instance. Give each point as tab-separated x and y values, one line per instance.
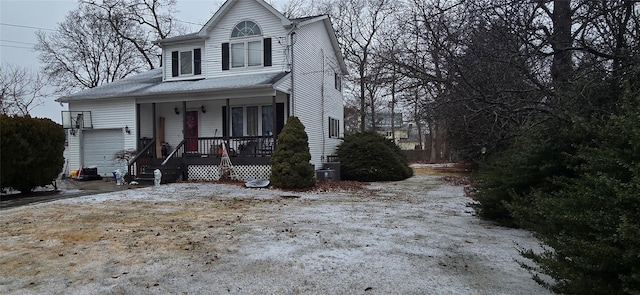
358	25
139	22
21	90
85	52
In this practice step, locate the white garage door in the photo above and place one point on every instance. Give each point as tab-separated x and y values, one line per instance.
99	147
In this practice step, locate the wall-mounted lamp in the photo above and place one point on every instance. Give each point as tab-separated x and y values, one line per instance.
203	109
73	131
127	130
177	111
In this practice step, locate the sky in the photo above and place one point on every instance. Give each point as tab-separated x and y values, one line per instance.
21	19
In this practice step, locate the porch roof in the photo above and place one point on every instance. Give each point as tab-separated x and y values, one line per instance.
150	83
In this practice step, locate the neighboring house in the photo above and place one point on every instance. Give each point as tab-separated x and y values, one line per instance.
236	81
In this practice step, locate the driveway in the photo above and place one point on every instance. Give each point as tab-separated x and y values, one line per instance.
66	188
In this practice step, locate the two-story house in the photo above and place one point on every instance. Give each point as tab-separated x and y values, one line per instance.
233	83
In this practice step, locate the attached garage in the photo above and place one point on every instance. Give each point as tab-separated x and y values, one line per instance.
99	148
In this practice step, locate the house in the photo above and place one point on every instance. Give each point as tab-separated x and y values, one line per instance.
234	83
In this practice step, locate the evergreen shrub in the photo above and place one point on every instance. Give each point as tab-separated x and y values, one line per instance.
368	156
32	152
290	164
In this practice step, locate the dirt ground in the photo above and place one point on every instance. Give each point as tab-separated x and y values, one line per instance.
416	236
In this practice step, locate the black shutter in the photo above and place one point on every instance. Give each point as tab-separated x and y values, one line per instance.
225	56
267	52
225	124
197	63
279	117
174	64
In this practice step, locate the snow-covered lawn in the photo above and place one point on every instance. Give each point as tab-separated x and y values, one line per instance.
416	236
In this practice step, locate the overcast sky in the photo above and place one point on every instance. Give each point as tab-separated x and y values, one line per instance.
20	19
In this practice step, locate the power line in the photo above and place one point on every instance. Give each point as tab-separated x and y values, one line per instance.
3	40
21	47
26	27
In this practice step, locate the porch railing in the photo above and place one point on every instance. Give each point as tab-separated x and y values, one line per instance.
245	146
143	159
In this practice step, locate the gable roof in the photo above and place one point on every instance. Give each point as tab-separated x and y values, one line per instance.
206	29
150	84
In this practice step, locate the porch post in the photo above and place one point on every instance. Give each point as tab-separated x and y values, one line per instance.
184	120
228	124
275	121
155	125
138	147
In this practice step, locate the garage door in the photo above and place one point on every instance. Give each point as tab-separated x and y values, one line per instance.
99	147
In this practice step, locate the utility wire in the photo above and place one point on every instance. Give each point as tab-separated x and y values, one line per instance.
26	27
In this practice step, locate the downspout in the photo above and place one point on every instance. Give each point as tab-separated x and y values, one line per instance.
292	34
322	109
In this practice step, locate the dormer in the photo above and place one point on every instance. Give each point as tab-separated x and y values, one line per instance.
184	57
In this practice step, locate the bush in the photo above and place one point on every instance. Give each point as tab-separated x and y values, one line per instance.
591	221
32	152
369	156
290	167
509	176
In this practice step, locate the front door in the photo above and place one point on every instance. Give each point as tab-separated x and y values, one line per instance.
191	128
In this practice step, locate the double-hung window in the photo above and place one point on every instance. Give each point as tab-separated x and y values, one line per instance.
246	48
334	128
186	62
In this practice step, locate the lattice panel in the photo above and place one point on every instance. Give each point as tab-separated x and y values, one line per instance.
212	172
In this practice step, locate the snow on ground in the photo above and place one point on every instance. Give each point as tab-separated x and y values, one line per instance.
417	236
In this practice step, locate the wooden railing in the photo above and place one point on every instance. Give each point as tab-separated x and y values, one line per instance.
245	146
175	154
142	159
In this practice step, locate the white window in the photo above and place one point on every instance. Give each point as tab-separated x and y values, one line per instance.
186	62
334	128
246	45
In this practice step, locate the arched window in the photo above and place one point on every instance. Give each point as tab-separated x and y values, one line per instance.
245	29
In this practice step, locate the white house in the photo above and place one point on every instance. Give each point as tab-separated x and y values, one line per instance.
236	82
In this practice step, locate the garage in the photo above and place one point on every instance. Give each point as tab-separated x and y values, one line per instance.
99	147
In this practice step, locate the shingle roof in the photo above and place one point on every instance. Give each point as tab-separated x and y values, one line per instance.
150	83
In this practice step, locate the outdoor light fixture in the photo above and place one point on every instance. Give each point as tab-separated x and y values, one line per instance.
73	131
203	109
127	130
177	111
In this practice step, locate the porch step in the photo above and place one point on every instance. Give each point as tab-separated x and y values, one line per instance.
168	176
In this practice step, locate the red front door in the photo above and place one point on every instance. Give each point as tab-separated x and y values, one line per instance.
192	131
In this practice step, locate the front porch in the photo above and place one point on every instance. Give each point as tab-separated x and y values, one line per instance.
199	158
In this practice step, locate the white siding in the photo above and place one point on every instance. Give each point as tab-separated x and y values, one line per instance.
146	121
270	25
314	102
107	114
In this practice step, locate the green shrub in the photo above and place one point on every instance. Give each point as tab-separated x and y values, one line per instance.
32	152
369	156
290	167
509	176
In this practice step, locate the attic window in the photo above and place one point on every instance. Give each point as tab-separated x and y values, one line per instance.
245	29
186	63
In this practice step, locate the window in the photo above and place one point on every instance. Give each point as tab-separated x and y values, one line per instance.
267	120
237	121
247	47
334	128
245	29
338	81
252	121
186	63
